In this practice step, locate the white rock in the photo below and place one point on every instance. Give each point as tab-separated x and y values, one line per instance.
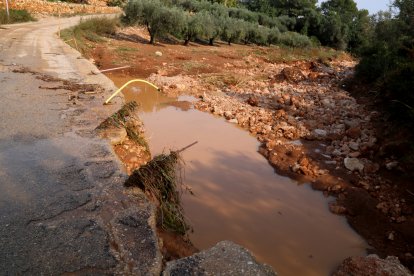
353	164
228	115
158	54
234	121
320	132
295	167
391	165
354	146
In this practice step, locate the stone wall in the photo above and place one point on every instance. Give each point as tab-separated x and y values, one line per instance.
55	8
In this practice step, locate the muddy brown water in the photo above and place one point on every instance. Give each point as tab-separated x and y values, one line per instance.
238	196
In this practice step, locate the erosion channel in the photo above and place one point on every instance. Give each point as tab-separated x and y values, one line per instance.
237	194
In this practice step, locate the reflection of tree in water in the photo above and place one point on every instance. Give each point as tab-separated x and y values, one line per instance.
151	100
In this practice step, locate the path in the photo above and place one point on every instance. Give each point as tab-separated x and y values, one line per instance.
62	204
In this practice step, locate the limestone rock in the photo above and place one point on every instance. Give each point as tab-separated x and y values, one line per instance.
372	265
225	258
353	164
293	74
320	132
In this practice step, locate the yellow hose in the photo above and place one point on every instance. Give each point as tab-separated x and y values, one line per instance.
125	85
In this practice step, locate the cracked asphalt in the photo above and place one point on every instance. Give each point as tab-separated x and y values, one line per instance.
63	207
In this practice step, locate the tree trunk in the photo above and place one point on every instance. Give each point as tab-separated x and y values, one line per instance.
211	42
152	39
229	42
186	42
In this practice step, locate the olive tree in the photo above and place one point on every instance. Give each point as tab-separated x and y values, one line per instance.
233	30
157	18
193	28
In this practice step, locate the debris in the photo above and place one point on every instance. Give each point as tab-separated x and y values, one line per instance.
372	265
161	178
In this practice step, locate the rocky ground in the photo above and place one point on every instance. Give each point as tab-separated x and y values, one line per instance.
44	7
295	102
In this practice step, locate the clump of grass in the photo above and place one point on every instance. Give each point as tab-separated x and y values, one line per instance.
89	30
288	54
223	79
134	136
192	66
161	179
119	118
126	49
16	16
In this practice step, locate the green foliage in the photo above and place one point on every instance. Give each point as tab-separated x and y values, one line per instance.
89	30
98	25
293	39
343	26
226	3
387	60
273	36
161	178
16	16
193	27
233	30
117	3
293	8
212	26
209	20
159	19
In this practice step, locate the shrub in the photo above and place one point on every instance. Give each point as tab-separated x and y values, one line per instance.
99	25
16	16
193	27
116	3
293	39
273	36
158	19
91	29
233	30
213	26
256	34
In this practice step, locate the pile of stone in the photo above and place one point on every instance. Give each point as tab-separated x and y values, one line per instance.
56	8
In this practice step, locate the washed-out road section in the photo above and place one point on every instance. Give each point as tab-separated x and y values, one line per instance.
63	208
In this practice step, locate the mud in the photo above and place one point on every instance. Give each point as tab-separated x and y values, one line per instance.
237	194
295	104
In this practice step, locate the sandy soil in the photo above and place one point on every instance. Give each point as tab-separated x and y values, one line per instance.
294	102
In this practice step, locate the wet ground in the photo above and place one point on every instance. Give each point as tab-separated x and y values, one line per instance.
63	208
238	196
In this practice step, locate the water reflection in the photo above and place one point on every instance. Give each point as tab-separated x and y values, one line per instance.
239	197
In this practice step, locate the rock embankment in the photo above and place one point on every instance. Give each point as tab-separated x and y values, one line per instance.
56	8
314	131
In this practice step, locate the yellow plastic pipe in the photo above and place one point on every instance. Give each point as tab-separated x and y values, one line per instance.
125	85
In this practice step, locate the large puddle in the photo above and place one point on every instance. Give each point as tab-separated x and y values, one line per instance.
239	197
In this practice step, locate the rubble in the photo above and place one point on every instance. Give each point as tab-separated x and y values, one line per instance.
372	265
58	8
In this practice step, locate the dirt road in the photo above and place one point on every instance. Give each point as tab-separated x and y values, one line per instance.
62	205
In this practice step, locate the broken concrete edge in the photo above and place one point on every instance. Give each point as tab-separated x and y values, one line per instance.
225	258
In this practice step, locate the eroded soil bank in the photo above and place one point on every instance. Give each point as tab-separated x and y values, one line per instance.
310	128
